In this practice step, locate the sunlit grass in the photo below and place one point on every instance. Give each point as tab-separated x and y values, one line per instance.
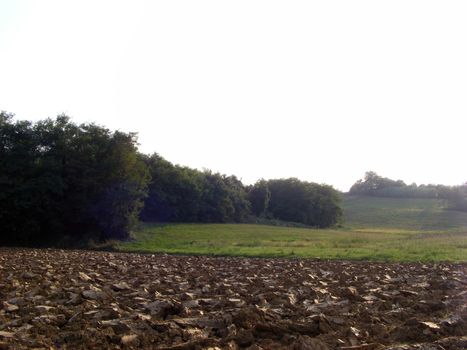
384	229
270	241
417	214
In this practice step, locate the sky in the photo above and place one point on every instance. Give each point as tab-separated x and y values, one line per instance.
319	90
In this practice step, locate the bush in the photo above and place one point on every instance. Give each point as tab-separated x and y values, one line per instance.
58	178
304	202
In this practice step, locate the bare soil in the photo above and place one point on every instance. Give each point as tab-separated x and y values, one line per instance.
55	299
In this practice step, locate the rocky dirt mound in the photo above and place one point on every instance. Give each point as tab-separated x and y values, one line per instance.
53	299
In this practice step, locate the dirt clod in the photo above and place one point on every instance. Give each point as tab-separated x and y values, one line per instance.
102	300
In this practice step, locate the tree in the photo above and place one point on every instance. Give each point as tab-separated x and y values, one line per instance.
20	206
223	199
455	196
61	179
174	191
181	194
373	184
304	202
259	197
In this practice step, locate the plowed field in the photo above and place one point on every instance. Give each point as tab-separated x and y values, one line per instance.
53	299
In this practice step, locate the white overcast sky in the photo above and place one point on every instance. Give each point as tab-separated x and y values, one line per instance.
319	90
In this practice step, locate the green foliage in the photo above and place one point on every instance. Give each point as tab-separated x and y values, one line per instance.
173	193
373	184
304	202
224	199
58	178
181	194
259	196
456	197
378	186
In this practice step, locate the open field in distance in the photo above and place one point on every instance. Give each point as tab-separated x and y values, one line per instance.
382	229
421	214
274	241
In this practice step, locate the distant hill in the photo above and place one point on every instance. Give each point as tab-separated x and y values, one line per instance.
424	214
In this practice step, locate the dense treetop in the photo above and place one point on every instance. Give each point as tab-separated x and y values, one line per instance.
60	179
182	194
305	202
61	182
374	185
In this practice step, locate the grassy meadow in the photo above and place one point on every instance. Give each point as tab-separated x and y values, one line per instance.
418	214
383	229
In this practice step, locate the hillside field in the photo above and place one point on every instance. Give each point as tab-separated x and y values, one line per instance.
383	229
419	214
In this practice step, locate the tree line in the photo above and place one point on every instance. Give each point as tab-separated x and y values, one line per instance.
375	185
64	182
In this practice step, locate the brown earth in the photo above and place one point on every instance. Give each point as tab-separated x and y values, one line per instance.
55	299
